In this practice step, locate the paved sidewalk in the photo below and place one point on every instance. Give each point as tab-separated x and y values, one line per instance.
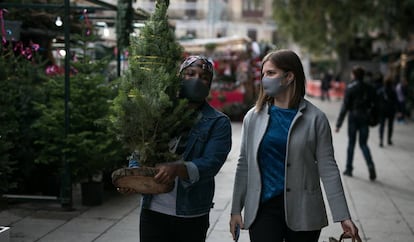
383	210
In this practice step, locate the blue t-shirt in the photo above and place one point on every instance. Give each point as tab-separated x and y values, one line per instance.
272	152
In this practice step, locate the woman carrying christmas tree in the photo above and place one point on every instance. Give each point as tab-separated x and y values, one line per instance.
183	214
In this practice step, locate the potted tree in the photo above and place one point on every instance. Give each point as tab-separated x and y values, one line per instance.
147	113
89	146
8	126
20	75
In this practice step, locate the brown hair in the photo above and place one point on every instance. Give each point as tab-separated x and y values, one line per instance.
287	61
388	80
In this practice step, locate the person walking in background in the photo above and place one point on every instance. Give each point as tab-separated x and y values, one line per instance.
401	90
286	149
388	103
325	86
358	97
182	215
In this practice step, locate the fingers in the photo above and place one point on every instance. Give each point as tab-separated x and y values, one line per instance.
163	178
349	228
236	223
233	231
165	175
125	190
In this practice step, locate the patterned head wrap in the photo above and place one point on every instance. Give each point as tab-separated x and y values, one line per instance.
191	61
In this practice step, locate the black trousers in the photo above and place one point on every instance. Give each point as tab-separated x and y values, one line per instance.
158	227
389	118
270	225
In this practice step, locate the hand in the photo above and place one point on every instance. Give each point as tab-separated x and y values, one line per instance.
166	172
235	219
350	229
125	190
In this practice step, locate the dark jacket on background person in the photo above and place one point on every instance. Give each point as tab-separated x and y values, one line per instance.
387	100
358	98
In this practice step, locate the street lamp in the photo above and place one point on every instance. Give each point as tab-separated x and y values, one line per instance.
58	21
66	185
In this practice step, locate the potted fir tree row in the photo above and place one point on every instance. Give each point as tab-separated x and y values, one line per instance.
89	146
21	74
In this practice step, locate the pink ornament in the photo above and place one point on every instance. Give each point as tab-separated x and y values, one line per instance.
3	31
88	23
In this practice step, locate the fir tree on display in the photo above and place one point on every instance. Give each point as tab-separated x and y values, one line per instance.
90	148
147	111
124	28
20	78
124	22
8	126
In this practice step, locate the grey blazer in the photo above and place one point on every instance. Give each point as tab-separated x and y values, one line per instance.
309	159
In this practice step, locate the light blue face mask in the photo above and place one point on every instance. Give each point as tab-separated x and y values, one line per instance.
273	86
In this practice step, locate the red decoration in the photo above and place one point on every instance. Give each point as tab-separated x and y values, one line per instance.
88	23
3	30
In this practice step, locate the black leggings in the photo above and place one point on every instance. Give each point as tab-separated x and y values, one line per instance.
158	227
270	225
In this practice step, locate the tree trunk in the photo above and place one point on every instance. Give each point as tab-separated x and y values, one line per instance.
343	59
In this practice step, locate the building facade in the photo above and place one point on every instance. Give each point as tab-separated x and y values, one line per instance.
219	18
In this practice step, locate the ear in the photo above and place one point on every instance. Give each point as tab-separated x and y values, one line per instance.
289	75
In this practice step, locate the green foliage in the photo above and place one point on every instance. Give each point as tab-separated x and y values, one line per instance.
147	112
19	87
324	26
210	46
89	145
317	26
8	125
124	22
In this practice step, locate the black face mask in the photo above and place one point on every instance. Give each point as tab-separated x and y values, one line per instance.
194	90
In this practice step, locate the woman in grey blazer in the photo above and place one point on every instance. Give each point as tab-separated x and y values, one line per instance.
286	149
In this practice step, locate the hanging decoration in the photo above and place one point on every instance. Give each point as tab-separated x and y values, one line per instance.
18	47
3	30
87	22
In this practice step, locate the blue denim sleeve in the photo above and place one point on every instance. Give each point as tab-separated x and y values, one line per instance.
193	174
216	149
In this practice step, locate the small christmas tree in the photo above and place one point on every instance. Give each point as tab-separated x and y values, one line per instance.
147	111
90	148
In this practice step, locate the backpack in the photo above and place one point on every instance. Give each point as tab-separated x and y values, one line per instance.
368	104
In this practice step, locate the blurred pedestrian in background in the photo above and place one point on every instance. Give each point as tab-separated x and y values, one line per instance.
401	90
358	97
388	104
326	85
286	150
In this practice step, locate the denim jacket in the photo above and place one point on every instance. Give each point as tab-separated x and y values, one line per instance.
208	145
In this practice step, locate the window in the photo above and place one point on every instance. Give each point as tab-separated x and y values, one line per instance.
252	8
191	33
190	10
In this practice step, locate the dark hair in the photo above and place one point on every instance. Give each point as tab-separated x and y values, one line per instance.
287	61
358	73
388	80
